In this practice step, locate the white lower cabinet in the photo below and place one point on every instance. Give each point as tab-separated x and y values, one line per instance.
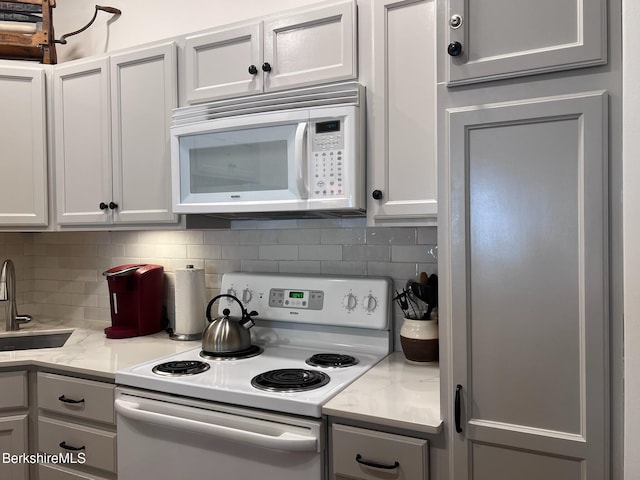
359	453
76	418
13	424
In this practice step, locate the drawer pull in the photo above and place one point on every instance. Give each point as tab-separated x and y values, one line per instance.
64	399
376	464
69	447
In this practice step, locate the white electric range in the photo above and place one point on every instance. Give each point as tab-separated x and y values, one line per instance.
313	337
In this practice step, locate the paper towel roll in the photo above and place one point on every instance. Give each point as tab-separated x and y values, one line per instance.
190	295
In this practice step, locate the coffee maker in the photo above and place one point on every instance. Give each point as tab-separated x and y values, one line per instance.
135	295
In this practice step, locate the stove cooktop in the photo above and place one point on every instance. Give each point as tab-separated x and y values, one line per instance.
229	381
323	330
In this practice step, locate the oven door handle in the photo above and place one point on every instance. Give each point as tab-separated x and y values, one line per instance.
287	441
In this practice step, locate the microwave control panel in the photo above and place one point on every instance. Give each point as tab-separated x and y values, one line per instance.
327	147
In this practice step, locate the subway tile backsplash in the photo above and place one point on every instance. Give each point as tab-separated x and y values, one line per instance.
60	273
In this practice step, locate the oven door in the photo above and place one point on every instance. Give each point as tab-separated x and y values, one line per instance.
241	164
170	437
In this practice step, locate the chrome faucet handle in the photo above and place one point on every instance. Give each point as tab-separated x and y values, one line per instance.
20	319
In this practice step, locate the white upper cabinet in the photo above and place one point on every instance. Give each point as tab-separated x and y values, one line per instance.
23	155
402	114
143	93
496	39
303	47
111	137
82	142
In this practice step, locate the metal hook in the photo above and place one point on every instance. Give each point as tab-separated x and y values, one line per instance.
112	10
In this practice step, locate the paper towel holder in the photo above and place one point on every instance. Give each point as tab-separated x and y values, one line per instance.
184	327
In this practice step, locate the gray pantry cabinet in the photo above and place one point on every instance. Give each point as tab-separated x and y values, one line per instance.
111	121
523	237
23	156
496	39
311	45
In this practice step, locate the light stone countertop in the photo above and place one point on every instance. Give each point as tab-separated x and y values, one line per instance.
88	351
394	393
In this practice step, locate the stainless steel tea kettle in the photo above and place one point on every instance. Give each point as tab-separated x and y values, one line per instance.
226	334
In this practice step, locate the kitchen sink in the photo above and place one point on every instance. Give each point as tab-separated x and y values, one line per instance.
32	340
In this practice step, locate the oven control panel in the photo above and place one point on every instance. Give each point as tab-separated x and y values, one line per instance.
351	301
309	299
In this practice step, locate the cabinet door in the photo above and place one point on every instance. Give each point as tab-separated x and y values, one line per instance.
23	156
82	142
218	64
529	278
403	173
13	440
143	93
314	46
508	38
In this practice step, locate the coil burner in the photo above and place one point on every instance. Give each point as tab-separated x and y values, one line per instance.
290	380
180	368
331	360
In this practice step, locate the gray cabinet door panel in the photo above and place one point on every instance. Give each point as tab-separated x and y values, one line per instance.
529	276
509	38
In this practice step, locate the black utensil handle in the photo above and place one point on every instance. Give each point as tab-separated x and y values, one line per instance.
376	464
64	399
458	408
64	445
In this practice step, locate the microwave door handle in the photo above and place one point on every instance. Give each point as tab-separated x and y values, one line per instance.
300	164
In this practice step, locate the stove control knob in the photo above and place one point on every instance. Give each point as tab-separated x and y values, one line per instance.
231	291
246	295
350	301
370	303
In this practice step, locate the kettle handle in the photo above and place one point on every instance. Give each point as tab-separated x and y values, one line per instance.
242	309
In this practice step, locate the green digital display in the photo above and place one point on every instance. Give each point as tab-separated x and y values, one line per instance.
296	294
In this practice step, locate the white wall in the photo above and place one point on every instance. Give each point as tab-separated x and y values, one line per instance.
144	21
631	218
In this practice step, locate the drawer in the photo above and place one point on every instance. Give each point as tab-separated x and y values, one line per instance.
77	397
356	452
55	472
98	446
13	390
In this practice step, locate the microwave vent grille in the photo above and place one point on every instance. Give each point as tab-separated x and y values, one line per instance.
346	93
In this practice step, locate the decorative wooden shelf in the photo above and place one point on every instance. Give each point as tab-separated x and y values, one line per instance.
31	46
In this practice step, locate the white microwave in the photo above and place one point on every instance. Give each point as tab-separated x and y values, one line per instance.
256	157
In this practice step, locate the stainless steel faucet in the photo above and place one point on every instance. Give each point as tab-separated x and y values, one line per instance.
8	294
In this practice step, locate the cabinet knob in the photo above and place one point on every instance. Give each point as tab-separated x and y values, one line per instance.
253	69
103	206
113	205
377	194
454	49
266	67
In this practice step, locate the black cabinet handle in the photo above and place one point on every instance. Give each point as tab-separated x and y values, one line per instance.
113	205
377	194
266	67
376	464
71	448
64	399
103	206
253	69
454	49
458	408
